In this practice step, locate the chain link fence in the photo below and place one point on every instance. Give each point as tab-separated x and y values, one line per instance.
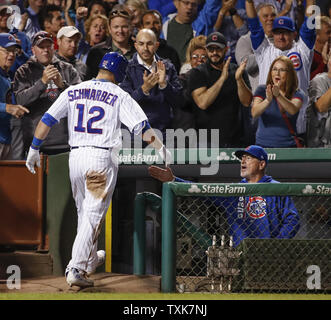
250	243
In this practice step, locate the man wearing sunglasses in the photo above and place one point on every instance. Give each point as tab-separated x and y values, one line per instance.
37	84
120	29
216	94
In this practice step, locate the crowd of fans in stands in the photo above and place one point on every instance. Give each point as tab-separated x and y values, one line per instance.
245	71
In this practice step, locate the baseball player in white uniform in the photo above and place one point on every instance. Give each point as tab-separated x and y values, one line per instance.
95	111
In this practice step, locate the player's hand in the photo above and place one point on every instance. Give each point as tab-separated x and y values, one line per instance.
268	93
165	154
16	110
33	160
225	70
150	80
241	69
163	175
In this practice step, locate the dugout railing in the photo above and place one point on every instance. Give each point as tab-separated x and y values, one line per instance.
199	251
302	263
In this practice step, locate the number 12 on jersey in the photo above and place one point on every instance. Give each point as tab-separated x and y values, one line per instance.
99	114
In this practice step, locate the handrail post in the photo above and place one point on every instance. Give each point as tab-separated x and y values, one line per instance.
168	263
139	236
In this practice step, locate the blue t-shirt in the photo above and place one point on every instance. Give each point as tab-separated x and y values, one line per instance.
272	131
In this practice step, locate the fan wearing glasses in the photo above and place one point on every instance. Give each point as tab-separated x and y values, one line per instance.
284	43
8	51
276	105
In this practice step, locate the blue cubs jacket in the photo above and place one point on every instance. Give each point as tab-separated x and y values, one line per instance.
258	217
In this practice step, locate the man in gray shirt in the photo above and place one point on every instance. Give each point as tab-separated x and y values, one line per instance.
37	84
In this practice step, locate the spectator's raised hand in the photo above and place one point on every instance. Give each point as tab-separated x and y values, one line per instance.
24	19
161	70
227	5
275	90
225	70
150	80
81	13
48	74
288	4
326	52
51	73
241	69
58	79
68	4
268	93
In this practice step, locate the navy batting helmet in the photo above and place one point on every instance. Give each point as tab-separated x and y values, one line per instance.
115	63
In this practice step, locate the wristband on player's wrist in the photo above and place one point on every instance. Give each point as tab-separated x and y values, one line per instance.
36	143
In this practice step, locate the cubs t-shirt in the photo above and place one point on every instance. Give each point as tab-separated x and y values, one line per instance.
272	131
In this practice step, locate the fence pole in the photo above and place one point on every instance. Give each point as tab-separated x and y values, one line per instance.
139	235
168	263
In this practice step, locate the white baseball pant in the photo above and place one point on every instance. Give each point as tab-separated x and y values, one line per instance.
93	176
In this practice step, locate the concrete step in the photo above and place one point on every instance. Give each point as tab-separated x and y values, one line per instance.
31	264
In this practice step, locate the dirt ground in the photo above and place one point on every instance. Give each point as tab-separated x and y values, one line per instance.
103	282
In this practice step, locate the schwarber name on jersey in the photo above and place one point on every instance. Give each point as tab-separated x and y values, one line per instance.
95	111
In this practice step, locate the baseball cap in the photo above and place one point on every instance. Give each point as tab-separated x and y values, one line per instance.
283	23
41	36
8	40
68	32
216	39
255	151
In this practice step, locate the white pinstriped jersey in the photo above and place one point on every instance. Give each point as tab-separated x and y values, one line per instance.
95	110
300	55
